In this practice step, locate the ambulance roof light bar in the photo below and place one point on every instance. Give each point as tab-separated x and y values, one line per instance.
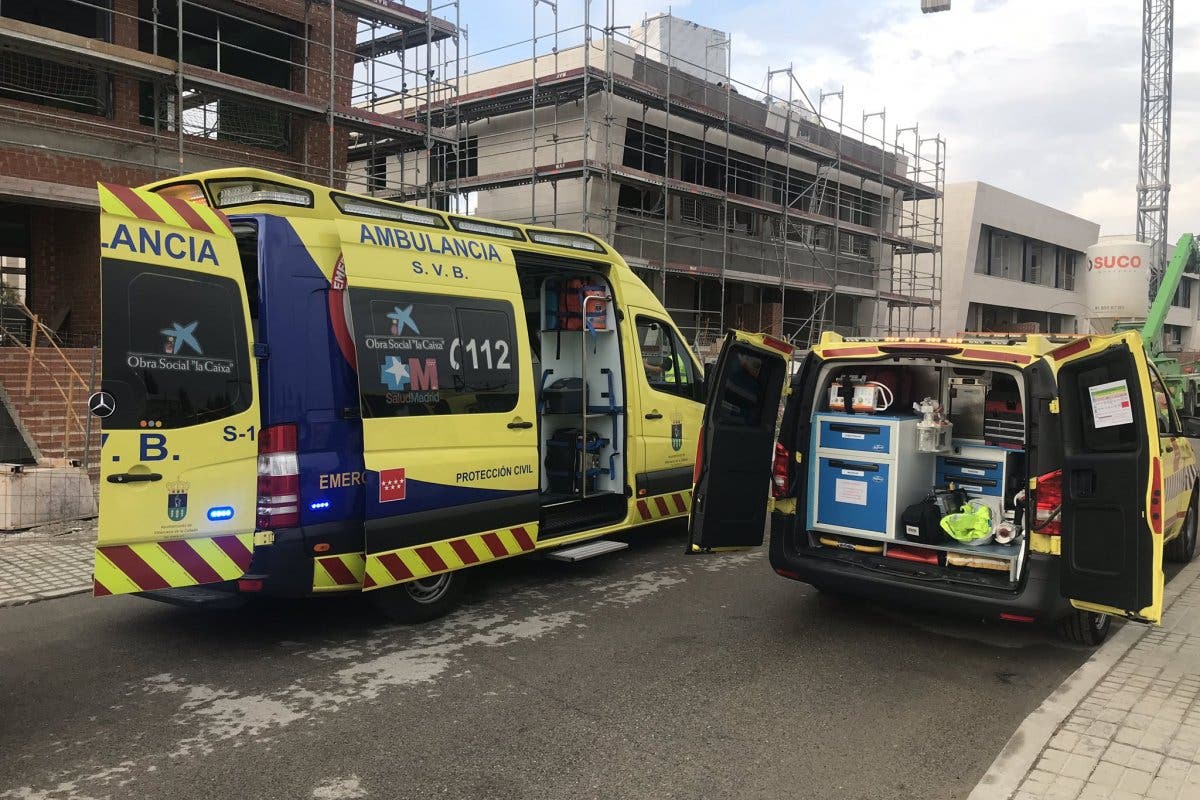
487	228
575	241
357	206
236	192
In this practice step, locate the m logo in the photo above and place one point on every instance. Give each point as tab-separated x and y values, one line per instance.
677	435
177	500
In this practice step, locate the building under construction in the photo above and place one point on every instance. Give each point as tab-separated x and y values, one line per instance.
741	207
757	208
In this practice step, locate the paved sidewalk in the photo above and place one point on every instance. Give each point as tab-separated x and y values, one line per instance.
1125	726
47	561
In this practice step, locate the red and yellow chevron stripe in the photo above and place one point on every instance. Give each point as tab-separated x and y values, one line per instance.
414	563
340	572
125	568
664	506
122	201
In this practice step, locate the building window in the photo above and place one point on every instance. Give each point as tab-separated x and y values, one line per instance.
645	148
258	49
1004	254
1183	295
448	162
1173	334
1064	269
1039	256
643	202
700	211
377	173
853	244
51	83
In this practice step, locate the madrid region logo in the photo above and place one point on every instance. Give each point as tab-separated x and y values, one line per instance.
402	319
178	337
177	500
394	374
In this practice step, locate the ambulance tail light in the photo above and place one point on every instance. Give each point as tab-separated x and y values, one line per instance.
1049	504
780	483
278	478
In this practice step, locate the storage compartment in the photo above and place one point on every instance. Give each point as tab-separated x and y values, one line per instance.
865	469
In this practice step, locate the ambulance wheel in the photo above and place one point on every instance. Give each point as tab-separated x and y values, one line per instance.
1085	627
421	600
1182	548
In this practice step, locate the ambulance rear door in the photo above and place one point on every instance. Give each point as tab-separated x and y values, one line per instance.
447	399
178	402
1112	502
737	443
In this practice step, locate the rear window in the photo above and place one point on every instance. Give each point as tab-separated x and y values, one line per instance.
175	351
744	389
421	354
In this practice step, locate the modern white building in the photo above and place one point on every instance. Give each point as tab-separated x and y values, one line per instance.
1011	263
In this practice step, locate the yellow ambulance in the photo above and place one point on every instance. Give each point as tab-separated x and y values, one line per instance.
310	391
1070	443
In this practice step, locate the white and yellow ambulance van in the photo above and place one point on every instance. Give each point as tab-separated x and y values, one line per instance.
314	392
1071	443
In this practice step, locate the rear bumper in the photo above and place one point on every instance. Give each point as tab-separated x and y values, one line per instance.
1037	596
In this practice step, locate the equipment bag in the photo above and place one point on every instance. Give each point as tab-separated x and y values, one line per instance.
922	522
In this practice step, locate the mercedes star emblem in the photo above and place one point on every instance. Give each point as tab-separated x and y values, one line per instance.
101	404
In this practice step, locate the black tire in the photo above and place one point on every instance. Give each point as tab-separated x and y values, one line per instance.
421	600
1182	548
1086	628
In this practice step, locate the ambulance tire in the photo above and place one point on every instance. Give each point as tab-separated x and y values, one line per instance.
1086	628
1182	548
422	600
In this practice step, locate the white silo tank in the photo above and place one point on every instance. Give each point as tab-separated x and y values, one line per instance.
1116	285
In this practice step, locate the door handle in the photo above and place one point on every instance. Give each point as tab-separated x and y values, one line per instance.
134	477
654	415
520	425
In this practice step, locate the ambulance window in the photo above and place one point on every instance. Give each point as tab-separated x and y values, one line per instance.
175	351
743	393
668	366
421	355
1163	408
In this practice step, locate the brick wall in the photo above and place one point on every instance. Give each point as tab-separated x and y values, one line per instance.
43	410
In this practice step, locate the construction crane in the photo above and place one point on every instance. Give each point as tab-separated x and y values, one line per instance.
1154	134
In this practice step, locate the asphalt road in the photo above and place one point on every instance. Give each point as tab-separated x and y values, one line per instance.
642	674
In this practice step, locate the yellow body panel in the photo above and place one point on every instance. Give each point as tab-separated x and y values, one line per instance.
177	501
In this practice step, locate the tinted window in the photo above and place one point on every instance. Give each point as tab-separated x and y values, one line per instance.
1164	410
175	350
668	366
421	354
743	389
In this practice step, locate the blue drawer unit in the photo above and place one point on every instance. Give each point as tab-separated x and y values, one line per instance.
853	494
852	432
972	484
979	469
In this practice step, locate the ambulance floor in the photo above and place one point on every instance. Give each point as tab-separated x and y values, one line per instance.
644	674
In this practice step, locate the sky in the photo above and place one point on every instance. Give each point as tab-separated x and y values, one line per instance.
1039	97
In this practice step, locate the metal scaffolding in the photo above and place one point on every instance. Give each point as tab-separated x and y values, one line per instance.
740	206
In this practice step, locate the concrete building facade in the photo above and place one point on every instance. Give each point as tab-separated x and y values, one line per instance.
1014	264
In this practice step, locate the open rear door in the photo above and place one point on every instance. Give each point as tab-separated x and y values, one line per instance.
737	443
1112	529
179	460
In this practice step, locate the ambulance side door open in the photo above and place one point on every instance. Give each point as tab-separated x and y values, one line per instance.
737	443
179	400
1112	503
447	399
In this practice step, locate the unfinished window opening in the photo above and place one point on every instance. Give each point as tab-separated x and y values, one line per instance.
700	211
47	83
643	202
448	162
377	172
645	148
259	48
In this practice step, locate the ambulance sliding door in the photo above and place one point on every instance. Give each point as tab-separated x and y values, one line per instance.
447	399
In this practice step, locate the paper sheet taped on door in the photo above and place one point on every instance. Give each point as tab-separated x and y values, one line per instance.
1110	404
853	492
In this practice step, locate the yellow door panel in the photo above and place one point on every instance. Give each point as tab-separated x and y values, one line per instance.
1113	502
178	468
447	398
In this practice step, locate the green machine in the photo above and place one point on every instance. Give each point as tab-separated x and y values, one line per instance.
1184	386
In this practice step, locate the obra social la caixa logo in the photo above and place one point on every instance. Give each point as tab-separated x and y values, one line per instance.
1115	262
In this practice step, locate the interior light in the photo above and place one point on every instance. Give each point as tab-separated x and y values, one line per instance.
573	240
